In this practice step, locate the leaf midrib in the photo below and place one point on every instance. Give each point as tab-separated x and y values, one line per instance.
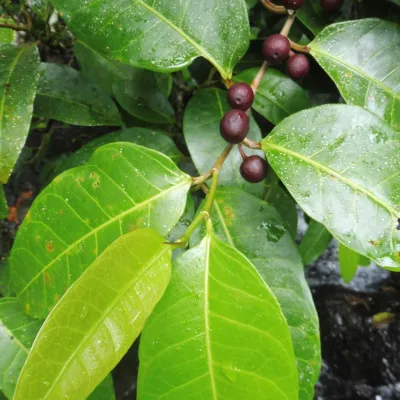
329	171
99	228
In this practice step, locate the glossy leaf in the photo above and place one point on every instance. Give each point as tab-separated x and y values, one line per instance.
123	187
64	95
201	131
281	200
349	261
162	35
220	330
6	35
141	98
3	203
19	73
257	230
278	96
341	164
98	319
315	241
360	56
149	138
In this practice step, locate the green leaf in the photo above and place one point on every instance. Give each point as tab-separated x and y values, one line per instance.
360	56
104	391
163	35
123	187
349	261
278	96
149	138
19	73
64	95
255	228
40	7
17	332
220	331
341	165
142	99
201	130
3	203
98	319
6	35
315	241
283	202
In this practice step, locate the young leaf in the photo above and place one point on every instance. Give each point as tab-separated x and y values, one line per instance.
123	187
19	73
315	241
256	229
361	58
64	95
278	96
162	35
341	163
152	139
283	202
201	129
3	203
219	330
98	319
349	261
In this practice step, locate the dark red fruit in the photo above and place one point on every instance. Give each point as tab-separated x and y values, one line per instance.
292	4
254	169
298	66
240	96
234	126
331	5
276	49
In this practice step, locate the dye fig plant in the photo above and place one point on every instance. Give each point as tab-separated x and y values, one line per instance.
176	221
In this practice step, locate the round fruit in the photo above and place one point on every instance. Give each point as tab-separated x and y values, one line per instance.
240	96
254	169
298	66
331	5
292	4
234	126
276	49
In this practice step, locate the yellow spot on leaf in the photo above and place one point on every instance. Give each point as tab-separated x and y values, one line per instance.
50	247
27	307
47	279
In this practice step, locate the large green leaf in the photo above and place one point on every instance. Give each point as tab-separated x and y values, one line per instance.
349	261
162	35
19	73
97	320
341	163
362	59
63	94
3	203
278	96
123	187
315	241
218	333
201	129
150	138
6	35
257	230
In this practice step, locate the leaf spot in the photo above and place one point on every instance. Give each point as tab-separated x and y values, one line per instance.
47	279
50	247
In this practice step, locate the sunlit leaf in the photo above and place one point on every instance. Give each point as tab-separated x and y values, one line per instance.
362	59
64	95
19	73
349	261
6	35
123	187
278	96
341	163
315	241
201	129
220	331
162	35
97	320
256	229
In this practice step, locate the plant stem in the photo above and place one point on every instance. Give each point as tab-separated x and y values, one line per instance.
197	181
251	145
259	77
298	47
241	151
14	27
273	7
288	24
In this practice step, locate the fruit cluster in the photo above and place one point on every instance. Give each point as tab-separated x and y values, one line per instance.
234	128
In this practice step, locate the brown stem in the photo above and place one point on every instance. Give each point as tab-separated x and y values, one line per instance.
288	24
241	151
273	7
259	77
199	180
298	47
14	27
250	144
